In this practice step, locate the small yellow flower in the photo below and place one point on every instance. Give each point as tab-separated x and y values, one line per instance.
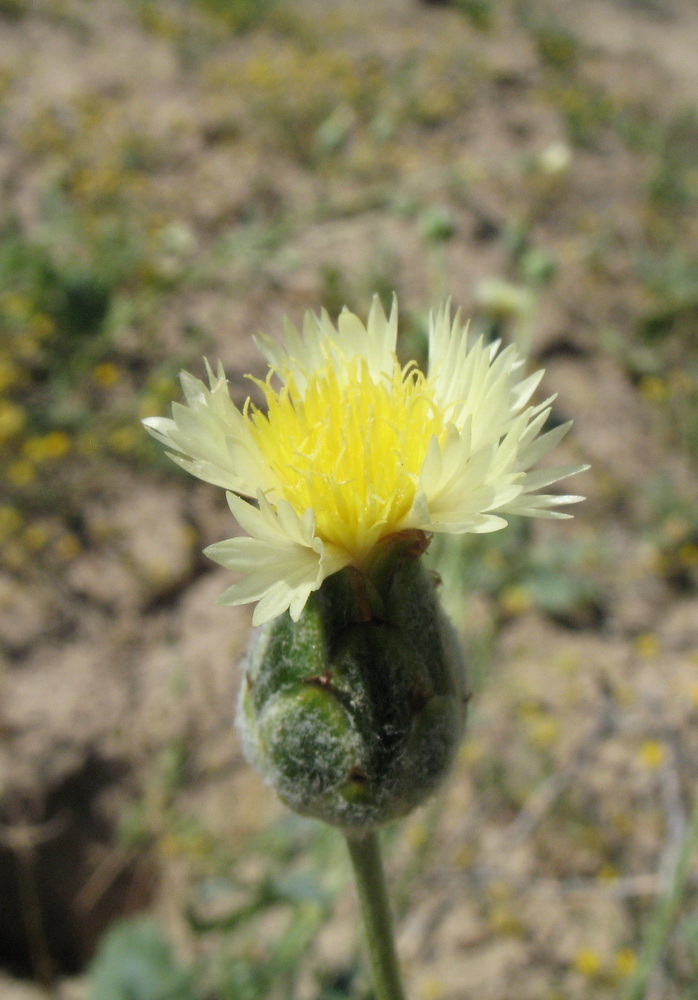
471	752
647	645
123	440
10	521
417	836
688	554
568	662
42	448
654	388
352	448
35	537
652	754
625	962
16	308
543	731
515	600
587	963
21	473
162	386
9	374
106	375
503	920
432	989
149	406
12	419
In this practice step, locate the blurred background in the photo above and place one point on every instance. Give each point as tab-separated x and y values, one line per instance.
176	176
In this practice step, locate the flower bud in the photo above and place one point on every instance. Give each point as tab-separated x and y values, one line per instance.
354	712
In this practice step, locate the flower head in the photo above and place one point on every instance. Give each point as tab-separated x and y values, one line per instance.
352	447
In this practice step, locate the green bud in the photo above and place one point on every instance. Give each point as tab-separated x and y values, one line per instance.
354	713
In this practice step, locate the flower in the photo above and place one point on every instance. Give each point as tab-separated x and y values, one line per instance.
352	447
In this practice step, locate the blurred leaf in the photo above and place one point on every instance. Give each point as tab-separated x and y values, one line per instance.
244	979
135	962
563	594
690	933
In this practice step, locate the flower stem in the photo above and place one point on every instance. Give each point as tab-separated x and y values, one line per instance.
365	854
663	920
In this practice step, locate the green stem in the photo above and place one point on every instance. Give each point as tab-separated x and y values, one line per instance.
666	909
366	861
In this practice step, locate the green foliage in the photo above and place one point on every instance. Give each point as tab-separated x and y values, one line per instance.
557	579
135	962
301	879
314	103
56	303
69	387
335	292
480	13
666	910
586	109
437	224
239	15
66	288
690	935
557	47
671	518
661	354
672	184
672	280
254	910
14	10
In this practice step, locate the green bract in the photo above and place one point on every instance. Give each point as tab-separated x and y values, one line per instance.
354	712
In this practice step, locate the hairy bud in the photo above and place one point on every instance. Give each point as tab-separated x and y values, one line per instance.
354	712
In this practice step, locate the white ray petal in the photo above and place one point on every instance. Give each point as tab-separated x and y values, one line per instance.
281	559
211	439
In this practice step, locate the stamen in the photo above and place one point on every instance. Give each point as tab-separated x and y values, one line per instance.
351	449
